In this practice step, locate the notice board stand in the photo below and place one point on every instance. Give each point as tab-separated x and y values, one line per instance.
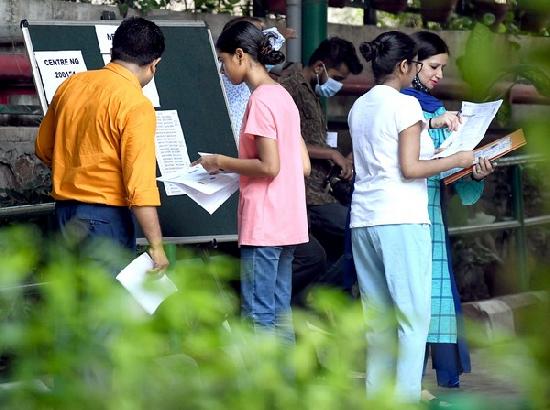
188	81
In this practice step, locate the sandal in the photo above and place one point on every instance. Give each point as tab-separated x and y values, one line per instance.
434	402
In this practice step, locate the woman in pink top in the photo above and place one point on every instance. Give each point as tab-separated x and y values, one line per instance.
272	163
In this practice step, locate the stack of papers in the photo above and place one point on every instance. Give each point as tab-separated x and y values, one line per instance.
148	291
476	118
208	190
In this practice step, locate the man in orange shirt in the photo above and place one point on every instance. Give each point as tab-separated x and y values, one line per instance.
98	138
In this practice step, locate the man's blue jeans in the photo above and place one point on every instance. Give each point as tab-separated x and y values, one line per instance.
86	225
266	287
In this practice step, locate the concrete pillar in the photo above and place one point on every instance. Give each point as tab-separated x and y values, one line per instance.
294	21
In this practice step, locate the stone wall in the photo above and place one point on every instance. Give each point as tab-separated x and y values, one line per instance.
23	178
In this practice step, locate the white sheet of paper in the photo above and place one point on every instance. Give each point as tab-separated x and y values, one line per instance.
150	90
476	118
332	139
106	58
148	292
171	149
211	202
105	33
56	66
199	179
490	152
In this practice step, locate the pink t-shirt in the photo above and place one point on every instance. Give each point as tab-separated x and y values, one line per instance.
272	211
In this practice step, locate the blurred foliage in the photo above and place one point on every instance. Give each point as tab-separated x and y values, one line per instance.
493	63
84	342
144	6
520	16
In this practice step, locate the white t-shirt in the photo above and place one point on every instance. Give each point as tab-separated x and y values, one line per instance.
382	196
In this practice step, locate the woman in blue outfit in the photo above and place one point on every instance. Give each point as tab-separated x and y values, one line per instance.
390	231
445	343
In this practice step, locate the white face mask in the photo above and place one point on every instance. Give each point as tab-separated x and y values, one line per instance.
329	88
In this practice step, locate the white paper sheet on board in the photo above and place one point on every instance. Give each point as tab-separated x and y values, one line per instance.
105	33
171	149
150	90
56	66
332	139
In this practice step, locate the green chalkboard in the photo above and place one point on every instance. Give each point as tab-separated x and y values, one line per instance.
188	81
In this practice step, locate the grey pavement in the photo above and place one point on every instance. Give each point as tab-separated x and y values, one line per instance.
490	382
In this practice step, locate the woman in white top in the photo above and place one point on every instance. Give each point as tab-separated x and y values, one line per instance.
389	216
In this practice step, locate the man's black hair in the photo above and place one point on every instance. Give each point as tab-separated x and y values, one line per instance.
334	51
137	41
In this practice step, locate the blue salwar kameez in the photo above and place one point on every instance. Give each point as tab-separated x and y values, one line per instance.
445	344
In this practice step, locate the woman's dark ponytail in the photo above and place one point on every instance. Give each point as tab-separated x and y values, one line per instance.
245	35
267	54
386	51
370	50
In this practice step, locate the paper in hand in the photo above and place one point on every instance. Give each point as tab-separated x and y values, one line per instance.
148	291
476	118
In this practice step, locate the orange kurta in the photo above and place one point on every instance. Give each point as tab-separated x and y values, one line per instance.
98	138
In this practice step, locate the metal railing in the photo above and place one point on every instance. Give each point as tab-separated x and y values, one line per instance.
519	223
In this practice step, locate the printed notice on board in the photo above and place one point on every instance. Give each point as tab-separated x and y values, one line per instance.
105	33
170	147
56	66
150	90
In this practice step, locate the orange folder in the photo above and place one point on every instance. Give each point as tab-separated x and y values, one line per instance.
516	140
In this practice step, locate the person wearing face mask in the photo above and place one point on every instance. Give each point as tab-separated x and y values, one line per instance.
445	343
329	65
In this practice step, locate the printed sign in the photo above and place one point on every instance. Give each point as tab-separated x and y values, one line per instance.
150	90
56	66
105	33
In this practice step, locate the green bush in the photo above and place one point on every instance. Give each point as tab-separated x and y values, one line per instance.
84	342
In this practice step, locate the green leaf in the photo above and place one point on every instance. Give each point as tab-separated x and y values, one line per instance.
537	77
